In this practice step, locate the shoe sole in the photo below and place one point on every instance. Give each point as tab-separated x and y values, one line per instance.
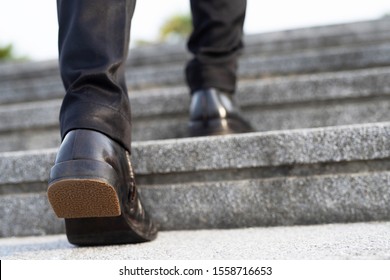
90	204
83	198
217	127
76	192
104	231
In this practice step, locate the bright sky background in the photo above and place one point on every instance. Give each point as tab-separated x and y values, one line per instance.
31	25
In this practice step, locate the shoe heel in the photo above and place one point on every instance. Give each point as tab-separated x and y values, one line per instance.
76	192
218	127
213	127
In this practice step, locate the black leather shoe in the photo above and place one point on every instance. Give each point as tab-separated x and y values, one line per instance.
92	186
213	112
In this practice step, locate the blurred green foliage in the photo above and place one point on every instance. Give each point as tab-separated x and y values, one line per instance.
7	54
177	27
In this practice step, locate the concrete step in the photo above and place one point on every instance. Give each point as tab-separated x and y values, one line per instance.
40	81
306	101
361	241
254	67
280	42
306	176
317	37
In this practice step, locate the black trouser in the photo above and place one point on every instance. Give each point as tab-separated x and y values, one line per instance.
93	46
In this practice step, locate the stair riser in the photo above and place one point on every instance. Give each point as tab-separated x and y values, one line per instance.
286	201
271	202
227	175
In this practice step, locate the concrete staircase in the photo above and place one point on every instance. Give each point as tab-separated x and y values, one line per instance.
319	98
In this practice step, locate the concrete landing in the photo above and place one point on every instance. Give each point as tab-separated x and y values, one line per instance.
317	242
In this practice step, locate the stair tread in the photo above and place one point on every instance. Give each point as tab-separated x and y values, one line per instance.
282	200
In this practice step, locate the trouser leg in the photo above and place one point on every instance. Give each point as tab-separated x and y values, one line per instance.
216	41
93	46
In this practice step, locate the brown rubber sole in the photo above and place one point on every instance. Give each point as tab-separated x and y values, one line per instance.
83	198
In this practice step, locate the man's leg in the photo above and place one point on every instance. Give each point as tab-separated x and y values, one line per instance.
215	42
93	47
92	184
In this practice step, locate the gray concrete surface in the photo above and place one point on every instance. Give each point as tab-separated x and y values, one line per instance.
355	33
322	87
309	61
362	241
274	148
297	176
326	99
251	150
229	204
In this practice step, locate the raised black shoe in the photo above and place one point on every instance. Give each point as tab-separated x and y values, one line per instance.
213	112
92	186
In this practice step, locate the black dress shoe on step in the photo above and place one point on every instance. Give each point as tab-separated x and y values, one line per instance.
92	186
213	112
